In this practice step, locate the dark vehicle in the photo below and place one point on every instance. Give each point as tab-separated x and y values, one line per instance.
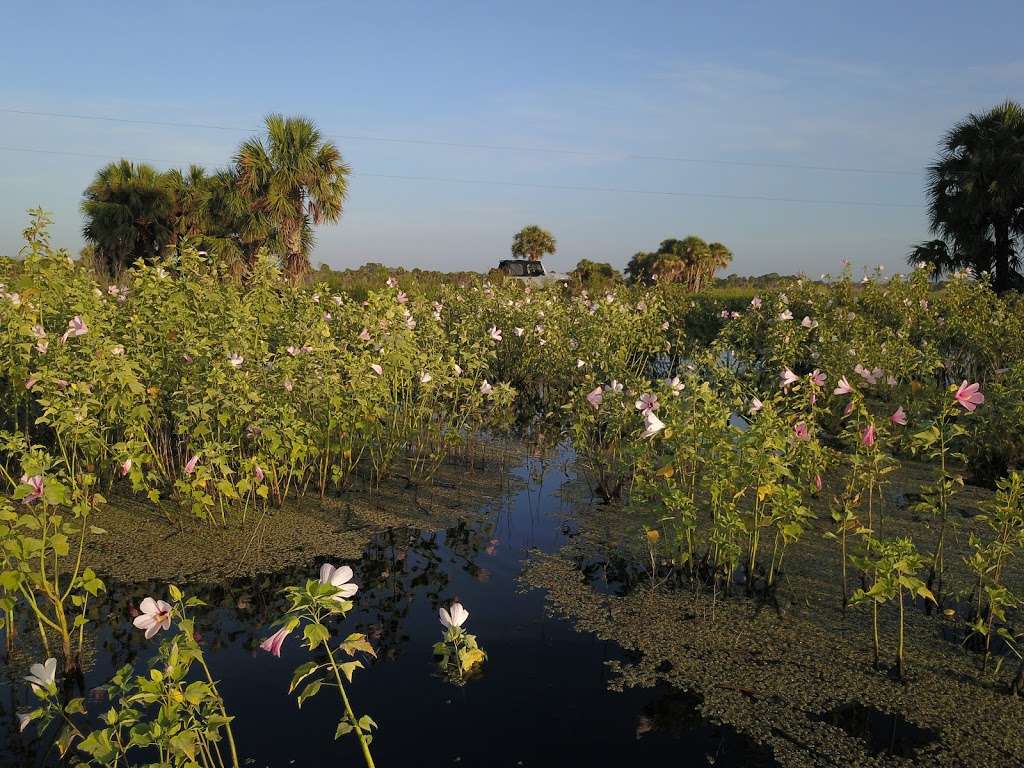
529	271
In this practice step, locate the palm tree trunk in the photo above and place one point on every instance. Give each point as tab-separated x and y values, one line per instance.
296	266
1003	254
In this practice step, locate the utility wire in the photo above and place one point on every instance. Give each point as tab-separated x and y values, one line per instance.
524	184
490	147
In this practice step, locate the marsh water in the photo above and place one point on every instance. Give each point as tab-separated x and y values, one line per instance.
541	699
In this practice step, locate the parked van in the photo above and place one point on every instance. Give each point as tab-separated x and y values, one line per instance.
529	271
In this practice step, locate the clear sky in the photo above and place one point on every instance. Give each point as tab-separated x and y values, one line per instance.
832	84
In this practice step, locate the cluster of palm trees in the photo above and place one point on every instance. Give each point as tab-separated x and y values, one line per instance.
689	261
276	189
976	198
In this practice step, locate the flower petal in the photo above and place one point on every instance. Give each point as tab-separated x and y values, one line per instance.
341	575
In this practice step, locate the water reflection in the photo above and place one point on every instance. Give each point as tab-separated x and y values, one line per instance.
541	698
881	732
677	714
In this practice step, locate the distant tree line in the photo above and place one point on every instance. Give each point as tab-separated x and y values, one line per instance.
690	261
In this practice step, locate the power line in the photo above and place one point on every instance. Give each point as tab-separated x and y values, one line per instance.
525	184
658	192
489	147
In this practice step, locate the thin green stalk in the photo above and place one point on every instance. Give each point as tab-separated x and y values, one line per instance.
348	710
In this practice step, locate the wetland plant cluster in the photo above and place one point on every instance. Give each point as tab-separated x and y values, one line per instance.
724	429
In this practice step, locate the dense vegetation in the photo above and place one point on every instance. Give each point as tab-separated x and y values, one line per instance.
724	424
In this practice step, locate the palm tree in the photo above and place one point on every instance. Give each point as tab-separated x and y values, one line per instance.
191	193
719	257
690	260
129	214
293	181
976	196
532	242
235	229
640	270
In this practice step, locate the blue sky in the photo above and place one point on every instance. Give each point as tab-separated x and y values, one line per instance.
857	86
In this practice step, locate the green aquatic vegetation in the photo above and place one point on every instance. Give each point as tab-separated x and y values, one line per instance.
174	709
989	558
726	496
458	653
866	465
43	535
311	607
937	441
275	389
894	565
764	464
604	427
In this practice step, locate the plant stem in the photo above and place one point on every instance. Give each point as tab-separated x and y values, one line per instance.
348	710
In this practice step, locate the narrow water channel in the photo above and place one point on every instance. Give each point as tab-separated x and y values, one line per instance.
541	699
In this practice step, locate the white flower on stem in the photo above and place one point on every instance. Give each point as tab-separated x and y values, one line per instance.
340	577
455	617
652	425
156	615
43	676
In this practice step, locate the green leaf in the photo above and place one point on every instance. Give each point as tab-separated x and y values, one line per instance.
316	634
309	691
343	727
184	743
349	667
301	673
75	707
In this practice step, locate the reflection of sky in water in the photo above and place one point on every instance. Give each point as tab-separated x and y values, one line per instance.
541	700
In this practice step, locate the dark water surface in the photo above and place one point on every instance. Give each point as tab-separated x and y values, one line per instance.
541	699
